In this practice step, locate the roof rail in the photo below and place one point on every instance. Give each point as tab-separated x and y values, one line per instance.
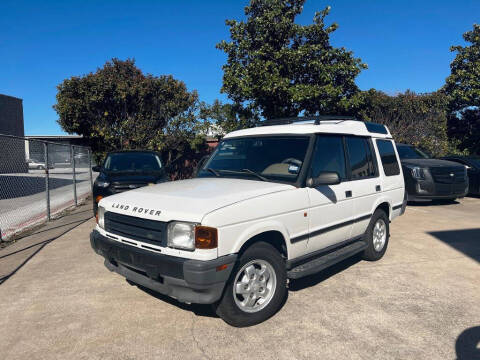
316	119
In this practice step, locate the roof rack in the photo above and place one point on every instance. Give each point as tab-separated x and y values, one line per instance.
316	120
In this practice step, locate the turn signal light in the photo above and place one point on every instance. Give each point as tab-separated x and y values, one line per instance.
96	217
206	237
98	198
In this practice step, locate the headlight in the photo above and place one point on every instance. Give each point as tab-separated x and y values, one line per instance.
102	183
181	235
188	236
101	217
418	173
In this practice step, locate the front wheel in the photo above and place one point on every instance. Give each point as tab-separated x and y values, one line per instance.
376	236
257	288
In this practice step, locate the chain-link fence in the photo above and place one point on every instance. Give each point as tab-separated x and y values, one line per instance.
39	180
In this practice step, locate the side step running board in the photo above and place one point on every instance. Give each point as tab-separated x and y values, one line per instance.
322	262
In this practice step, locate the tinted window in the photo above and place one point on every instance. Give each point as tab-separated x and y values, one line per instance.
360	156
410	152
273	157
132	161
389	159
329	156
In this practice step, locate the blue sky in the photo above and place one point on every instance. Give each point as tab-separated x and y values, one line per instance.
405	43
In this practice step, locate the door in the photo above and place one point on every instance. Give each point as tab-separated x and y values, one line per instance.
364	181
331	206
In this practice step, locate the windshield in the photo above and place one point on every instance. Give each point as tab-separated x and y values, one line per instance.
410	152
266	158
132	162
475	162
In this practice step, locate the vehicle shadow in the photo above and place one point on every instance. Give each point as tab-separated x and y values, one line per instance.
466	241
315	279
467	346
205	310
433	203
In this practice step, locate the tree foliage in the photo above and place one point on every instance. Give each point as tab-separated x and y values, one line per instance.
464	129
284	68
463	89
463	84
418	119
228	117
119	107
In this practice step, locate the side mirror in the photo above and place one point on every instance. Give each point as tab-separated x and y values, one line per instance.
324	178
96	168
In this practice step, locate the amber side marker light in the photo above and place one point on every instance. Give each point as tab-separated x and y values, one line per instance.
222	267
96	217
206	237
98	198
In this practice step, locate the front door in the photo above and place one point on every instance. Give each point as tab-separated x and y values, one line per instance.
331	206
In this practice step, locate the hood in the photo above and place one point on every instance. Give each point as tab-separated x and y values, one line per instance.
428	163
188	200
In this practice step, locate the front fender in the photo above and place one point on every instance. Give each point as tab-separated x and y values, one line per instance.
238	237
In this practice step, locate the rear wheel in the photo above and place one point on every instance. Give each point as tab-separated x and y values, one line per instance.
376	236
257	288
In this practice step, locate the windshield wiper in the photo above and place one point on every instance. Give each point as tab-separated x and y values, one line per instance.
213	171
255	174
245	171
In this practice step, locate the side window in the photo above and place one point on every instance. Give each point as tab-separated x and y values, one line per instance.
389	159
360	156
328	156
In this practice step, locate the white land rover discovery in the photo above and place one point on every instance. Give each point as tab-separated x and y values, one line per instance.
271	203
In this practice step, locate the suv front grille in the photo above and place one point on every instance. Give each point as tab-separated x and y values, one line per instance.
448	175
121	187
145	230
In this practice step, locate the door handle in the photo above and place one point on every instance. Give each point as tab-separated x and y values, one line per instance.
348	193
378	188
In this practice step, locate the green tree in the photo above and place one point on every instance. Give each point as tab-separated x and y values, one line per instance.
119	107
463	89
229	117
284	68
463	84
418	119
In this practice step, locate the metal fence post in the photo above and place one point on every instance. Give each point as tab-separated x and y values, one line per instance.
90	169
74	175
47	180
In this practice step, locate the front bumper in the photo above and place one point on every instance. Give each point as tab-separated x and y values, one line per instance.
191	281
424	190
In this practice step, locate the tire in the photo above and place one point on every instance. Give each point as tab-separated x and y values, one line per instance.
377	245
264	259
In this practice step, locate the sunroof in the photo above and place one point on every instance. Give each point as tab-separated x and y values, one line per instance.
376	128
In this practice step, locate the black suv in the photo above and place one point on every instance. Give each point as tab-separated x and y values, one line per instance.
431	179
127	170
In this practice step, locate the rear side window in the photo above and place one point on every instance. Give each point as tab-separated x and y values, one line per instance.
361	159
389	159
329	156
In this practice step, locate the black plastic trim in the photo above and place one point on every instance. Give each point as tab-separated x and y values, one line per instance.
307	257
329	228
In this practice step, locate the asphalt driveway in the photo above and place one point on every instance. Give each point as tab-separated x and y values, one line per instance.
421	301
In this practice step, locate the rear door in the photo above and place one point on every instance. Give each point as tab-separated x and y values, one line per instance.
364	180
331	207
393	185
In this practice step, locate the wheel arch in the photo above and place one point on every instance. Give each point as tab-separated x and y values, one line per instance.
272	237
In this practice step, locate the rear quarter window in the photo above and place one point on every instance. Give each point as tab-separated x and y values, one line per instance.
389	158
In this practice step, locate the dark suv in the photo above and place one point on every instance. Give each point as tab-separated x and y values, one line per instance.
431	179
127	170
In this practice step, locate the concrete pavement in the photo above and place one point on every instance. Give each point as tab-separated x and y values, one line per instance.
413	304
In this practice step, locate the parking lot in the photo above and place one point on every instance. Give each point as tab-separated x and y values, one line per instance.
421	301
